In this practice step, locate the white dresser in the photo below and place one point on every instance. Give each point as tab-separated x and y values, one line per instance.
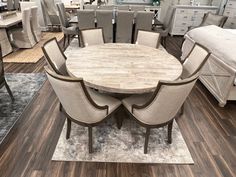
186	16
230	11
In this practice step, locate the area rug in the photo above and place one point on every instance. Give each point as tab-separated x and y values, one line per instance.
32	55
122	146
24	87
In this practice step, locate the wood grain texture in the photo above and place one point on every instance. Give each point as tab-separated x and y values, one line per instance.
122	68
209	131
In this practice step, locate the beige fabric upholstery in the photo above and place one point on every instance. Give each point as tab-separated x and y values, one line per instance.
137	8
165	105
104	21
34	23
124	26
75	102
51	11
194	61
92	37
212	19
122	7
5	43
89	6
106	7
150	39
86	19
143	22
24	38
55	57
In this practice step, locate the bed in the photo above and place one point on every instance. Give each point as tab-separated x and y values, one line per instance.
219	72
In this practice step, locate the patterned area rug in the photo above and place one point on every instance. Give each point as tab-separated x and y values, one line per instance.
123	146
24	87
32	55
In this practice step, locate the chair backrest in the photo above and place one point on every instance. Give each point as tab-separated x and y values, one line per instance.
169	17
165	102
147	38
104	21
122	7
106	7
213	19
86	19
55	57
143	22
34	23
124	26
137	8
26	15
75	98
194	61
90	6
50	7
62	15
92	36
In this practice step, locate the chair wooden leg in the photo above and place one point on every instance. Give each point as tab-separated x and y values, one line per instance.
60	107
170	125
68	39
64	41
90	139
181	112
9	92
68	128
146	140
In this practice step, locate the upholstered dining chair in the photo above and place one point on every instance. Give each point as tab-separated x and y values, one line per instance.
82	106
147	38
34	23
124	26
160	108
104	21
69	31
23	37
3	81
92	36
195	60
86	19
55	57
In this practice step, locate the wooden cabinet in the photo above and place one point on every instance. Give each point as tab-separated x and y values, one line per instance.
186	16
230	11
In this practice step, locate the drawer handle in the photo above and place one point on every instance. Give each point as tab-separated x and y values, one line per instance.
183	23
182	30
185	16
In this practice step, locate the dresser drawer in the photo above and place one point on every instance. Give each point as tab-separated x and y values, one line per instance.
230	12
231	4
179	30
230	23
180	23
182	11
183	17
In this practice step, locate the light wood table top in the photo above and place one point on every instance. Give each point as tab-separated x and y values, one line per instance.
11	21
122	68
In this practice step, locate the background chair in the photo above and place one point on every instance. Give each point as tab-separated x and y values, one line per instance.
160	108
86	19
90	6
122	7
194	61
55	57
104	21
24	38
69	31
34	23
124	26
147	38
92	37
143	21
3	81
136	8
106	7
81	106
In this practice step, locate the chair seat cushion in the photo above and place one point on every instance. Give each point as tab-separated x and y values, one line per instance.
136	99
72	30
102	100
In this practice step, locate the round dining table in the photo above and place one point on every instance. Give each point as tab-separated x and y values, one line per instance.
122	68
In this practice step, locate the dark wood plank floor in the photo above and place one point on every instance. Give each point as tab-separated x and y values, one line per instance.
209	131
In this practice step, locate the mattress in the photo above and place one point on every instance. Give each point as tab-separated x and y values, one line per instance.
221	42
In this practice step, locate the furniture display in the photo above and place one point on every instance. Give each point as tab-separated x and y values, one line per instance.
86	19
230	11
122	68
3	81
69	31
147	38
23	37
82	106
189	16
218	74
34	23
92	37
160	108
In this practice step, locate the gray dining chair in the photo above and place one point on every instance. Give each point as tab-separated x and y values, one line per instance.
147	38
143	21
86	19
34	23
106	7
161	107
23	37
92	37
122	7
68	30
137	8
90	6
104	21
3	81
124	26
81	105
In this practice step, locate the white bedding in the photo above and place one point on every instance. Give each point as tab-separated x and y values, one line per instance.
220	42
